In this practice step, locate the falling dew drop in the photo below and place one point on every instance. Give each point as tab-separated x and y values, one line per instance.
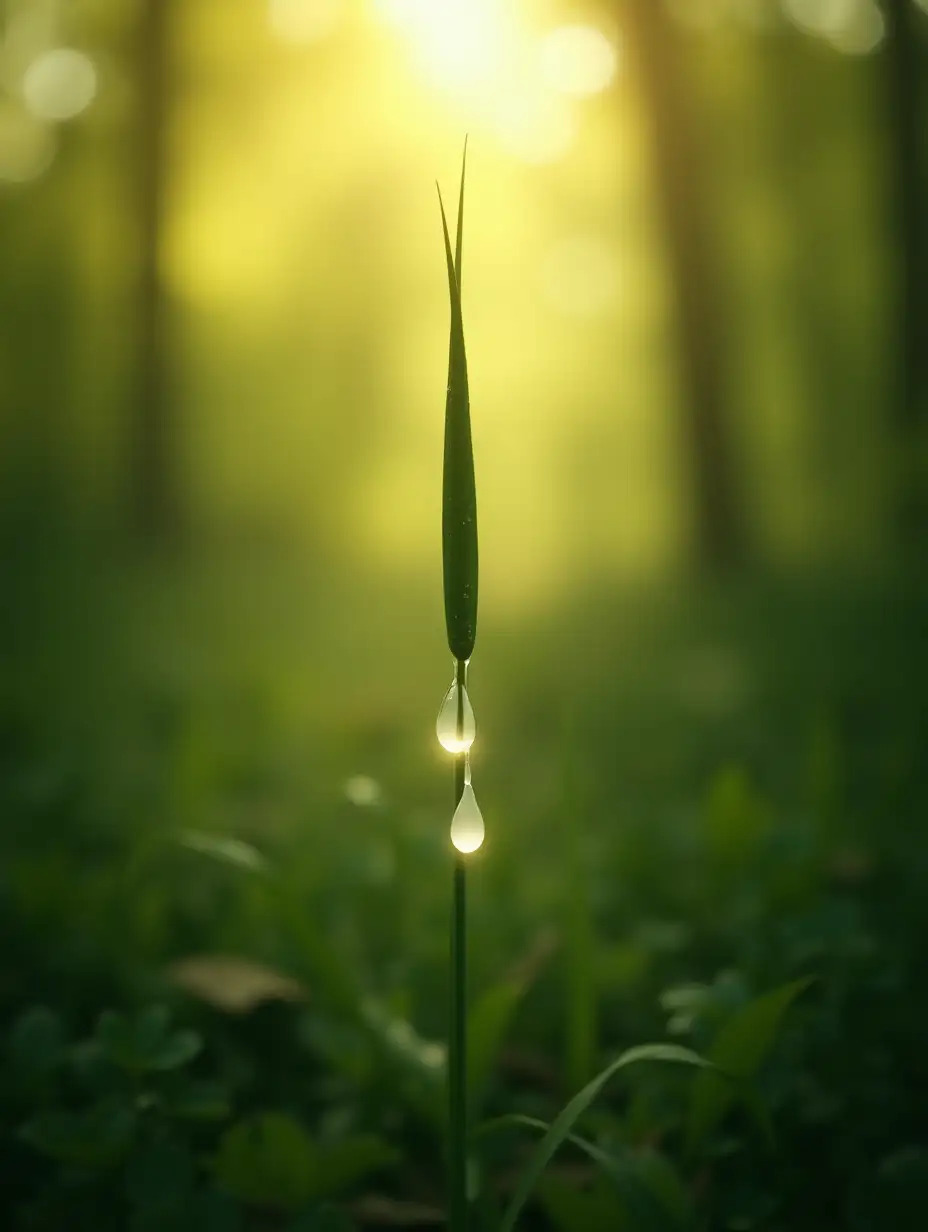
467	829
447	725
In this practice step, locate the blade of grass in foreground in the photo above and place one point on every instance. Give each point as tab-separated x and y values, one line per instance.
459	565
562	1126
645	1208
459	493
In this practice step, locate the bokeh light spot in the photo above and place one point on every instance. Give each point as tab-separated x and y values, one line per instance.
59	84
864	34
363	791
577	60
303	21
845	23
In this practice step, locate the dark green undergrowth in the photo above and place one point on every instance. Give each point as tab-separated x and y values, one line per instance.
223	903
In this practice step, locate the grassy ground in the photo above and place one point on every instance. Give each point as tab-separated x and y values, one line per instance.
717	787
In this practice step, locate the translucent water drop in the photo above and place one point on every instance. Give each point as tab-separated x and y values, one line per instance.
467	829
447	725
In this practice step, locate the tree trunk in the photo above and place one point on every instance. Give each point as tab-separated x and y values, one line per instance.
154	462
911	253
678	172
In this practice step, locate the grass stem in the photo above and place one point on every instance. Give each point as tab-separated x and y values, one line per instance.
457	1046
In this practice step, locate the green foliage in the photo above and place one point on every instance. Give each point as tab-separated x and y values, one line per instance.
637	1192
737	818
561	1128
96	1138
894	1195
146	1045
36	1045
644	1190
271	1161
702	891
739	1049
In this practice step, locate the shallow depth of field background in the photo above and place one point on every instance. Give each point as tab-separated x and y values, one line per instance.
696	309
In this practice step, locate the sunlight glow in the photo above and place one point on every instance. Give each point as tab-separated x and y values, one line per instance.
535	127
59	84
579	276
510	82
303	21
461	43
577	60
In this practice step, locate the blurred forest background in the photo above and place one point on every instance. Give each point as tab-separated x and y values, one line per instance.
696	309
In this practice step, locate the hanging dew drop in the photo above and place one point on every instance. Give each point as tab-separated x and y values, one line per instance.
467	828
447	727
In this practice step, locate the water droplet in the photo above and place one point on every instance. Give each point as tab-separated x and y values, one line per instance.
449	737
467	829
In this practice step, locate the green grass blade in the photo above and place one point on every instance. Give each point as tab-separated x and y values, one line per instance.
639	1201
562	1126
459	238
459	495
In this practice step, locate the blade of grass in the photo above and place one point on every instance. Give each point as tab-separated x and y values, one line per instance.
645	1208
563	1124
459	494
459	565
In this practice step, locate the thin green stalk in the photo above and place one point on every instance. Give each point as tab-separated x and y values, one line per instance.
457	1051
460	570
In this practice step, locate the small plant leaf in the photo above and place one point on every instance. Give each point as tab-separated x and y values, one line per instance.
342	1164
459	494
561	1128
175	1051
151	1028
144	1045
739	1049
268	1160
271	1161
94	1139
